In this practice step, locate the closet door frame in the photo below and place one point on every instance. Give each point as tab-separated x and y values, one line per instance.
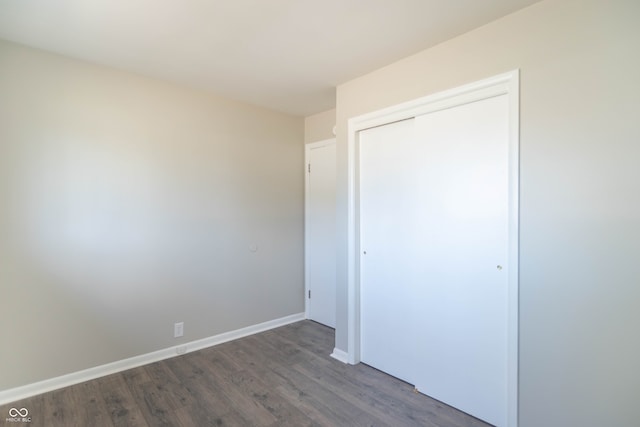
503	84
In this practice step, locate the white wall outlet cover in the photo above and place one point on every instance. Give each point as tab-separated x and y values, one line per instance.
178	329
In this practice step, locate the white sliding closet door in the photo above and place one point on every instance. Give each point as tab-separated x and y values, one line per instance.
390	276
434	246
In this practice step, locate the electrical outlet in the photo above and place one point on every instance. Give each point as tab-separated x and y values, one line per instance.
178	329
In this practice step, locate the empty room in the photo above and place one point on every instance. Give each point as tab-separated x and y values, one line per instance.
320	213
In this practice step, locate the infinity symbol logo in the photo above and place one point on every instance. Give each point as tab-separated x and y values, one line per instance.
22	412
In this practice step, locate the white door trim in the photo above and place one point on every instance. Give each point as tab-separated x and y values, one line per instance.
503	84
307	158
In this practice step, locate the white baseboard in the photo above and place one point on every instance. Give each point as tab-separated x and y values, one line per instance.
22	392
340	355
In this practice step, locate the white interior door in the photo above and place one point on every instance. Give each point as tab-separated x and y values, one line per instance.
434	246
320	232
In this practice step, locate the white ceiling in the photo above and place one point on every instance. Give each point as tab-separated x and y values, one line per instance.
287	55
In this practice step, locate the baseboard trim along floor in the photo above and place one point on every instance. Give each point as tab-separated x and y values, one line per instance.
22	392
340	355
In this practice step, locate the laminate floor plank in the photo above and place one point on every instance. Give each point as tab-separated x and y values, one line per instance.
252	385
60	408
168	384
283	377
281	360
217	356
211	406
35	405
404	395
89	408
198	416
249	407
365	400
120	404
230	400
365	391
309	335
154	400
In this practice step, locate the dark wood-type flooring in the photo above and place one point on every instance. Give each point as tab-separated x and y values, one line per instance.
282	377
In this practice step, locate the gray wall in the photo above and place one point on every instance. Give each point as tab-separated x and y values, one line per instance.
580	201
129	204
319	127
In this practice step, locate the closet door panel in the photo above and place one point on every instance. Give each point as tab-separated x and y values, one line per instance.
433	253
388	273
463	345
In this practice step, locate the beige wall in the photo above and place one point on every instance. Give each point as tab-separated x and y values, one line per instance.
580	203
319	127
129	204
